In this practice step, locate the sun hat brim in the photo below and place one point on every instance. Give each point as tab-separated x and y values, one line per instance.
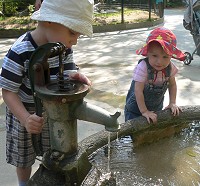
171	50
76	24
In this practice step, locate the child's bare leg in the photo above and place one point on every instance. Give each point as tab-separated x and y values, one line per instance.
23	175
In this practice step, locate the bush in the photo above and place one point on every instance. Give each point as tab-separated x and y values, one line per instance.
174	4
15	7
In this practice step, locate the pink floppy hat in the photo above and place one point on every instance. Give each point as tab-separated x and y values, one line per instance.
167	40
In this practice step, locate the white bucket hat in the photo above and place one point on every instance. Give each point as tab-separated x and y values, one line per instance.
76	15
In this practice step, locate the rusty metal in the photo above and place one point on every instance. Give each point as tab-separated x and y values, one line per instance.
62	101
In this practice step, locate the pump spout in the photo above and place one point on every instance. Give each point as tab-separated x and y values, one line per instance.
95	114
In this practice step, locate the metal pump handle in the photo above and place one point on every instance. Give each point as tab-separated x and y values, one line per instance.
40	57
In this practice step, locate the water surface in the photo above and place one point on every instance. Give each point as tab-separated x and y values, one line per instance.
170	161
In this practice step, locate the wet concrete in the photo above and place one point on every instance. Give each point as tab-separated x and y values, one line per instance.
108	60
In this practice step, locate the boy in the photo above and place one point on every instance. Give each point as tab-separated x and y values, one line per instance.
153	76
58	21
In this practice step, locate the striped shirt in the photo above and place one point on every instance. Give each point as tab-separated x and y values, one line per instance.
14	75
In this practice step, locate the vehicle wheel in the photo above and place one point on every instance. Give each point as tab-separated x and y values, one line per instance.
188	58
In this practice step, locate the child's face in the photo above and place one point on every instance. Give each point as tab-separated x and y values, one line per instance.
60	33
158	58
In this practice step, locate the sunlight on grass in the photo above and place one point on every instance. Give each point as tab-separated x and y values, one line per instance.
130	16
108	17
16	20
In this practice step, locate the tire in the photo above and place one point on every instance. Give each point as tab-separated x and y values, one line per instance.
188	58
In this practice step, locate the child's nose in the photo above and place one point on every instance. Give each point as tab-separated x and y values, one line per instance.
159	60
74	39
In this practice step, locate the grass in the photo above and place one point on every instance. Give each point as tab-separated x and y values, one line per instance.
17	22
130	16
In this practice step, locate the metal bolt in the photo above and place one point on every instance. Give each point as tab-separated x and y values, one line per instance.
64	100
55	155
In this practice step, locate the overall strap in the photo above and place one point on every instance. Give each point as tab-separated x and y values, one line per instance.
151	71
167	72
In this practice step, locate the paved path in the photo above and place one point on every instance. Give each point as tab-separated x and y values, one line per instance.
108	60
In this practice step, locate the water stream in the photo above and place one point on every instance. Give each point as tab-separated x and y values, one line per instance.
169	161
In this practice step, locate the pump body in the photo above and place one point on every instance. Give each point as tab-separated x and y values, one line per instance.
62	102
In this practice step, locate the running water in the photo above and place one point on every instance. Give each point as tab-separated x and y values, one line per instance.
108	177
108	152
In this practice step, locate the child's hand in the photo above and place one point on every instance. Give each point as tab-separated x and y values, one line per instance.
174	109
80	77
34	124
150	115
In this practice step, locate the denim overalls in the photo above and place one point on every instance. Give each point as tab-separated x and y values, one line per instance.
153	94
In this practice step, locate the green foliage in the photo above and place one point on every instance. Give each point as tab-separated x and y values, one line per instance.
8	8
174	4
31	9
2	18
15	7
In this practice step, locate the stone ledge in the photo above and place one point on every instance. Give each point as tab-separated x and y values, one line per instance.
14	33
139	125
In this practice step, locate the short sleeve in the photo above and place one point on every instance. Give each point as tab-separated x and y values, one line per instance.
140	72
174	70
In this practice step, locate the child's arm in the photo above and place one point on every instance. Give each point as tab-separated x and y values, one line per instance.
172	97
32	123
139	87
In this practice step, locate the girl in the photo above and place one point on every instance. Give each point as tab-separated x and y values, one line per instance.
153	76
